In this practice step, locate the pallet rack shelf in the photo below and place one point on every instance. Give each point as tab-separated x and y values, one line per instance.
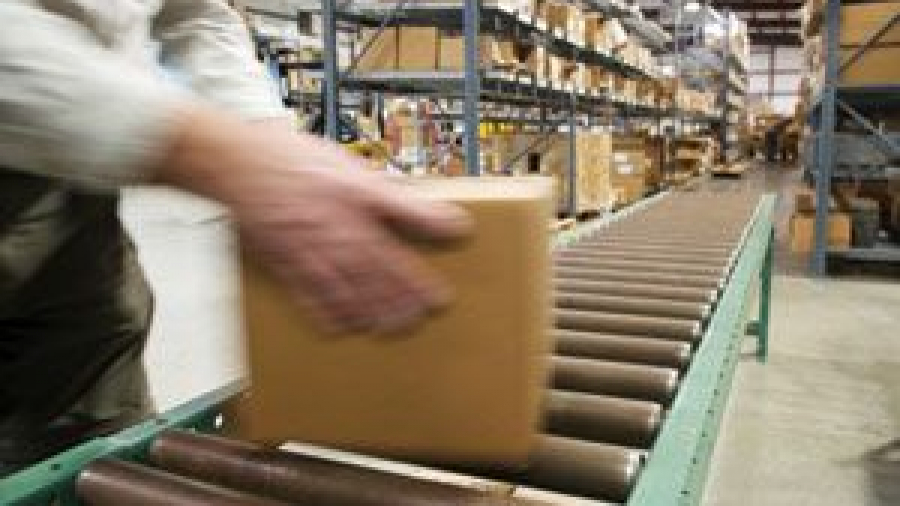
475	88
855	103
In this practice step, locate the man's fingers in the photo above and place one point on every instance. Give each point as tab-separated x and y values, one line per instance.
420	219
329	294
416	277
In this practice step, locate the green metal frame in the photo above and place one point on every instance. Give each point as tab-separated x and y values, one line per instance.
677	467
52	481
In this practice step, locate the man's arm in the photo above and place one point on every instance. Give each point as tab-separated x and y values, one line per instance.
209	42
73	111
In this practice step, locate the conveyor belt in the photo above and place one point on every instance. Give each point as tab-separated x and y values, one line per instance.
633	300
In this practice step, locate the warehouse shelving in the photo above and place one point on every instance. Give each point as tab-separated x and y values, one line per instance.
710	66
856	103
477	87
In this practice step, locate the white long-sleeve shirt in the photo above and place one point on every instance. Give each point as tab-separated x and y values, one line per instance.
82	99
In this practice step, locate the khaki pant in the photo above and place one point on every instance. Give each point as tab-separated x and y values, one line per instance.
75	309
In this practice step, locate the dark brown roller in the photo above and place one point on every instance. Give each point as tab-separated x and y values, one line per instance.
632	305
688	294
300	478
642	266
650	383
576	251
712	245
667	233
627	276
583	468
654	326
633	349
655	248
112	482
602	418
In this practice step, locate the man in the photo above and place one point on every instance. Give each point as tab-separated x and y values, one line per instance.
84	111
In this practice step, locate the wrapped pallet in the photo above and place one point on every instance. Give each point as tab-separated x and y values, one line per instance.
594	191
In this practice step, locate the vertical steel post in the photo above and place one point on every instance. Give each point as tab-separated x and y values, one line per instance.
825	149
471	28
379	113
573	171
726	85
330	63
771	75
765	299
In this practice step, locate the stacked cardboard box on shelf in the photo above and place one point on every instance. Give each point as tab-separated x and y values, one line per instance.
803	224
693	155
636	54
647	92
858	22
416	48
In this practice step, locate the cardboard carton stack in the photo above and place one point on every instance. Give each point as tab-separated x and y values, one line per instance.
629	168
693	155
416	48
803	224
593	184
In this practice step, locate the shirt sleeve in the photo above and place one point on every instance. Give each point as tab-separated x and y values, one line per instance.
73	110
209	43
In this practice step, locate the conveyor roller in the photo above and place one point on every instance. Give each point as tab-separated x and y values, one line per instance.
623	348
618	379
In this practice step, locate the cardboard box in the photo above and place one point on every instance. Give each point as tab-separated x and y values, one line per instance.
805	201
628	168
418	48
589	31
383	53
876	66
803	227
492	53
860	21
464	387
534	60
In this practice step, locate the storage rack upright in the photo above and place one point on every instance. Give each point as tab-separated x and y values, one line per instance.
732	92
856	103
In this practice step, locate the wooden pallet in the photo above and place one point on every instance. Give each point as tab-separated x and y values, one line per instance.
733	171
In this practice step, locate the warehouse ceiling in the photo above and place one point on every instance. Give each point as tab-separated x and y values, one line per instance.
769	22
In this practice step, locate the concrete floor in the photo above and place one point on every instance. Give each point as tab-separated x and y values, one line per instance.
818	425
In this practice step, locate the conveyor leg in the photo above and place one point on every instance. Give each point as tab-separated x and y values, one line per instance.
765	300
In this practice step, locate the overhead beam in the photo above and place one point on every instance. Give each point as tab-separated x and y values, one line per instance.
775	39
787	24
750	6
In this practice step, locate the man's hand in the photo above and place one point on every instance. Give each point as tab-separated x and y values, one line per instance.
324	226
